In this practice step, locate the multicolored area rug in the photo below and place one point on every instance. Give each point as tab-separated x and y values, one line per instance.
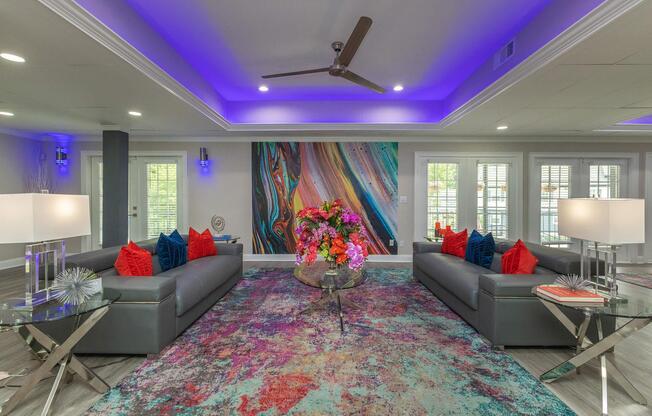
638	279
403	353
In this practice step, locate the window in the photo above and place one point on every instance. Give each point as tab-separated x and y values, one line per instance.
493	199
574	175
161	198
468	191
442	195
604	181
555	185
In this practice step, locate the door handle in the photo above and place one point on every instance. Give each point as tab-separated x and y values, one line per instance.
132	215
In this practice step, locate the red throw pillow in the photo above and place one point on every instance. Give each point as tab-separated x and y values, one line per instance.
455	243
518	260
133	261
200	245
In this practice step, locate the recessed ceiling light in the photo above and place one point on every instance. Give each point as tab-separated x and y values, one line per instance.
398	88
135	113
6	114
263	88
11	57
501	128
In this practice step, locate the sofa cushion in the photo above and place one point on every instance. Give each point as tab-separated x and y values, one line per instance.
511	285
171	250
133	261
200	245
453	273
480	249
555	259
519	260
455	243
137	289
197	279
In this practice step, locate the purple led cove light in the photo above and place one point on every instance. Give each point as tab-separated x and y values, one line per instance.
198	56
641	121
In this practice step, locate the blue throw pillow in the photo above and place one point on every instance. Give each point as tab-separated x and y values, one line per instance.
172	250
480	249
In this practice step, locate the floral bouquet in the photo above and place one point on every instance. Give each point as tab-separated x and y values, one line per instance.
333	232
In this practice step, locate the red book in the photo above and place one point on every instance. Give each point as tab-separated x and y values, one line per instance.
563	294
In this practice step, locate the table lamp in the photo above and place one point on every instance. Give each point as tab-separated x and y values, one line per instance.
42	221
611	222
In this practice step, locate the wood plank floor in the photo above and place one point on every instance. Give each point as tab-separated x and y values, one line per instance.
580	392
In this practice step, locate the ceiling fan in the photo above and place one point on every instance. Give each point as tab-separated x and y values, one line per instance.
343	56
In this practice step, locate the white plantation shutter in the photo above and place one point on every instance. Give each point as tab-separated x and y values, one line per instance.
555	185
161	198
604	181
443	186
493	199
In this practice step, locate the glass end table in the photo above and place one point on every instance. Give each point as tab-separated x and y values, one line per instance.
14	315
638	312
331	280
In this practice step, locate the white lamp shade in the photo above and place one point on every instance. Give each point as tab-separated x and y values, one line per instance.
31	218
608	221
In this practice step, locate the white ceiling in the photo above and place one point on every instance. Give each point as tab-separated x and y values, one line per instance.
430	46
604	80
71	84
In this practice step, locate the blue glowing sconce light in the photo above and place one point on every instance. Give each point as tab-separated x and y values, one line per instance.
61	157
203	157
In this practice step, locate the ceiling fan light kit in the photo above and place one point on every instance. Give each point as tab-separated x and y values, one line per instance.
344	54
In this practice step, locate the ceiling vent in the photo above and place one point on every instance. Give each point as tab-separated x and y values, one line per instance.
504	54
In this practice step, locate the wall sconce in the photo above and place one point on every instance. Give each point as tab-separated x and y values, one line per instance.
203	157
61	158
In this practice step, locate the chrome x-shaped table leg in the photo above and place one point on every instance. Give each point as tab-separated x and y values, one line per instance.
597	350
58	355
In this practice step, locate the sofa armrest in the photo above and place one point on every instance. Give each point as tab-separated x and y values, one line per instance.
229	249
513	285
139	288
424	247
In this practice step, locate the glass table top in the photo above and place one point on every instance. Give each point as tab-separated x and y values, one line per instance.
319	275
626	306
13	311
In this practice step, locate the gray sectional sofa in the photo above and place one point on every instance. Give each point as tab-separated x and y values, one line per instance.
152	311
500	307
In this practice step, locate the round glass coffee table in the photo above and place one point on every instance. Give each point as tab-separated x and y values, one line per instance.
14	314
635	309
331	280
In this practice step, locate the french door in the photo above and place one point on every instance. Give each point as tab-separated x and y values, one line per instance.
563	178
155	196
473	192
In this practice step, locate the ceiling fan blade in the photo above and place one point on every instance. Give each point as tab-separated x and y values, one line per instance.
353	77
289	74
355	40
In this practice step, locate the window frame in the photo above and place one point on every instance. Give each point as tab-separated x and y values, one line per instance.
467	185
580	183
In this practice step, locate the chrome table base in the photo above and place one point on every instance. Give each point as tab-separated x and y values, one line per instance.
62	356
328	298
587	351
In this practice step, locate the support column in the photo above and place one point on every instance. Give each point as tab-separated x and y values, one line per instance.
115	205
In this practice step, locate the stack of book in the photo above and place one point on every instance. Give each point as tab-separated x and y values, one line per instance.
566	295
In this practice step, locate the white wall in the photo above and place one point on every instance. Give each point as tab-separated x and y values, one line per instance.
226	190
17	156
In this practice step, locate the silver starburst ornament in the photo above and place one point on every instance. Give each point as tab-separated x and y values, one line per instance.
76	285
573	282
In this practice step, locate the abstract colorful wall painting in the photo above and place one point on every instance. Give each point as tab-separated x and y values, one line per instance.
290	176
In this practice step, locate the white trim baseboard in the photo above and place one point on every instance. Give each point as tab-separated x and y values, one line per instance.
374	258
11	263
